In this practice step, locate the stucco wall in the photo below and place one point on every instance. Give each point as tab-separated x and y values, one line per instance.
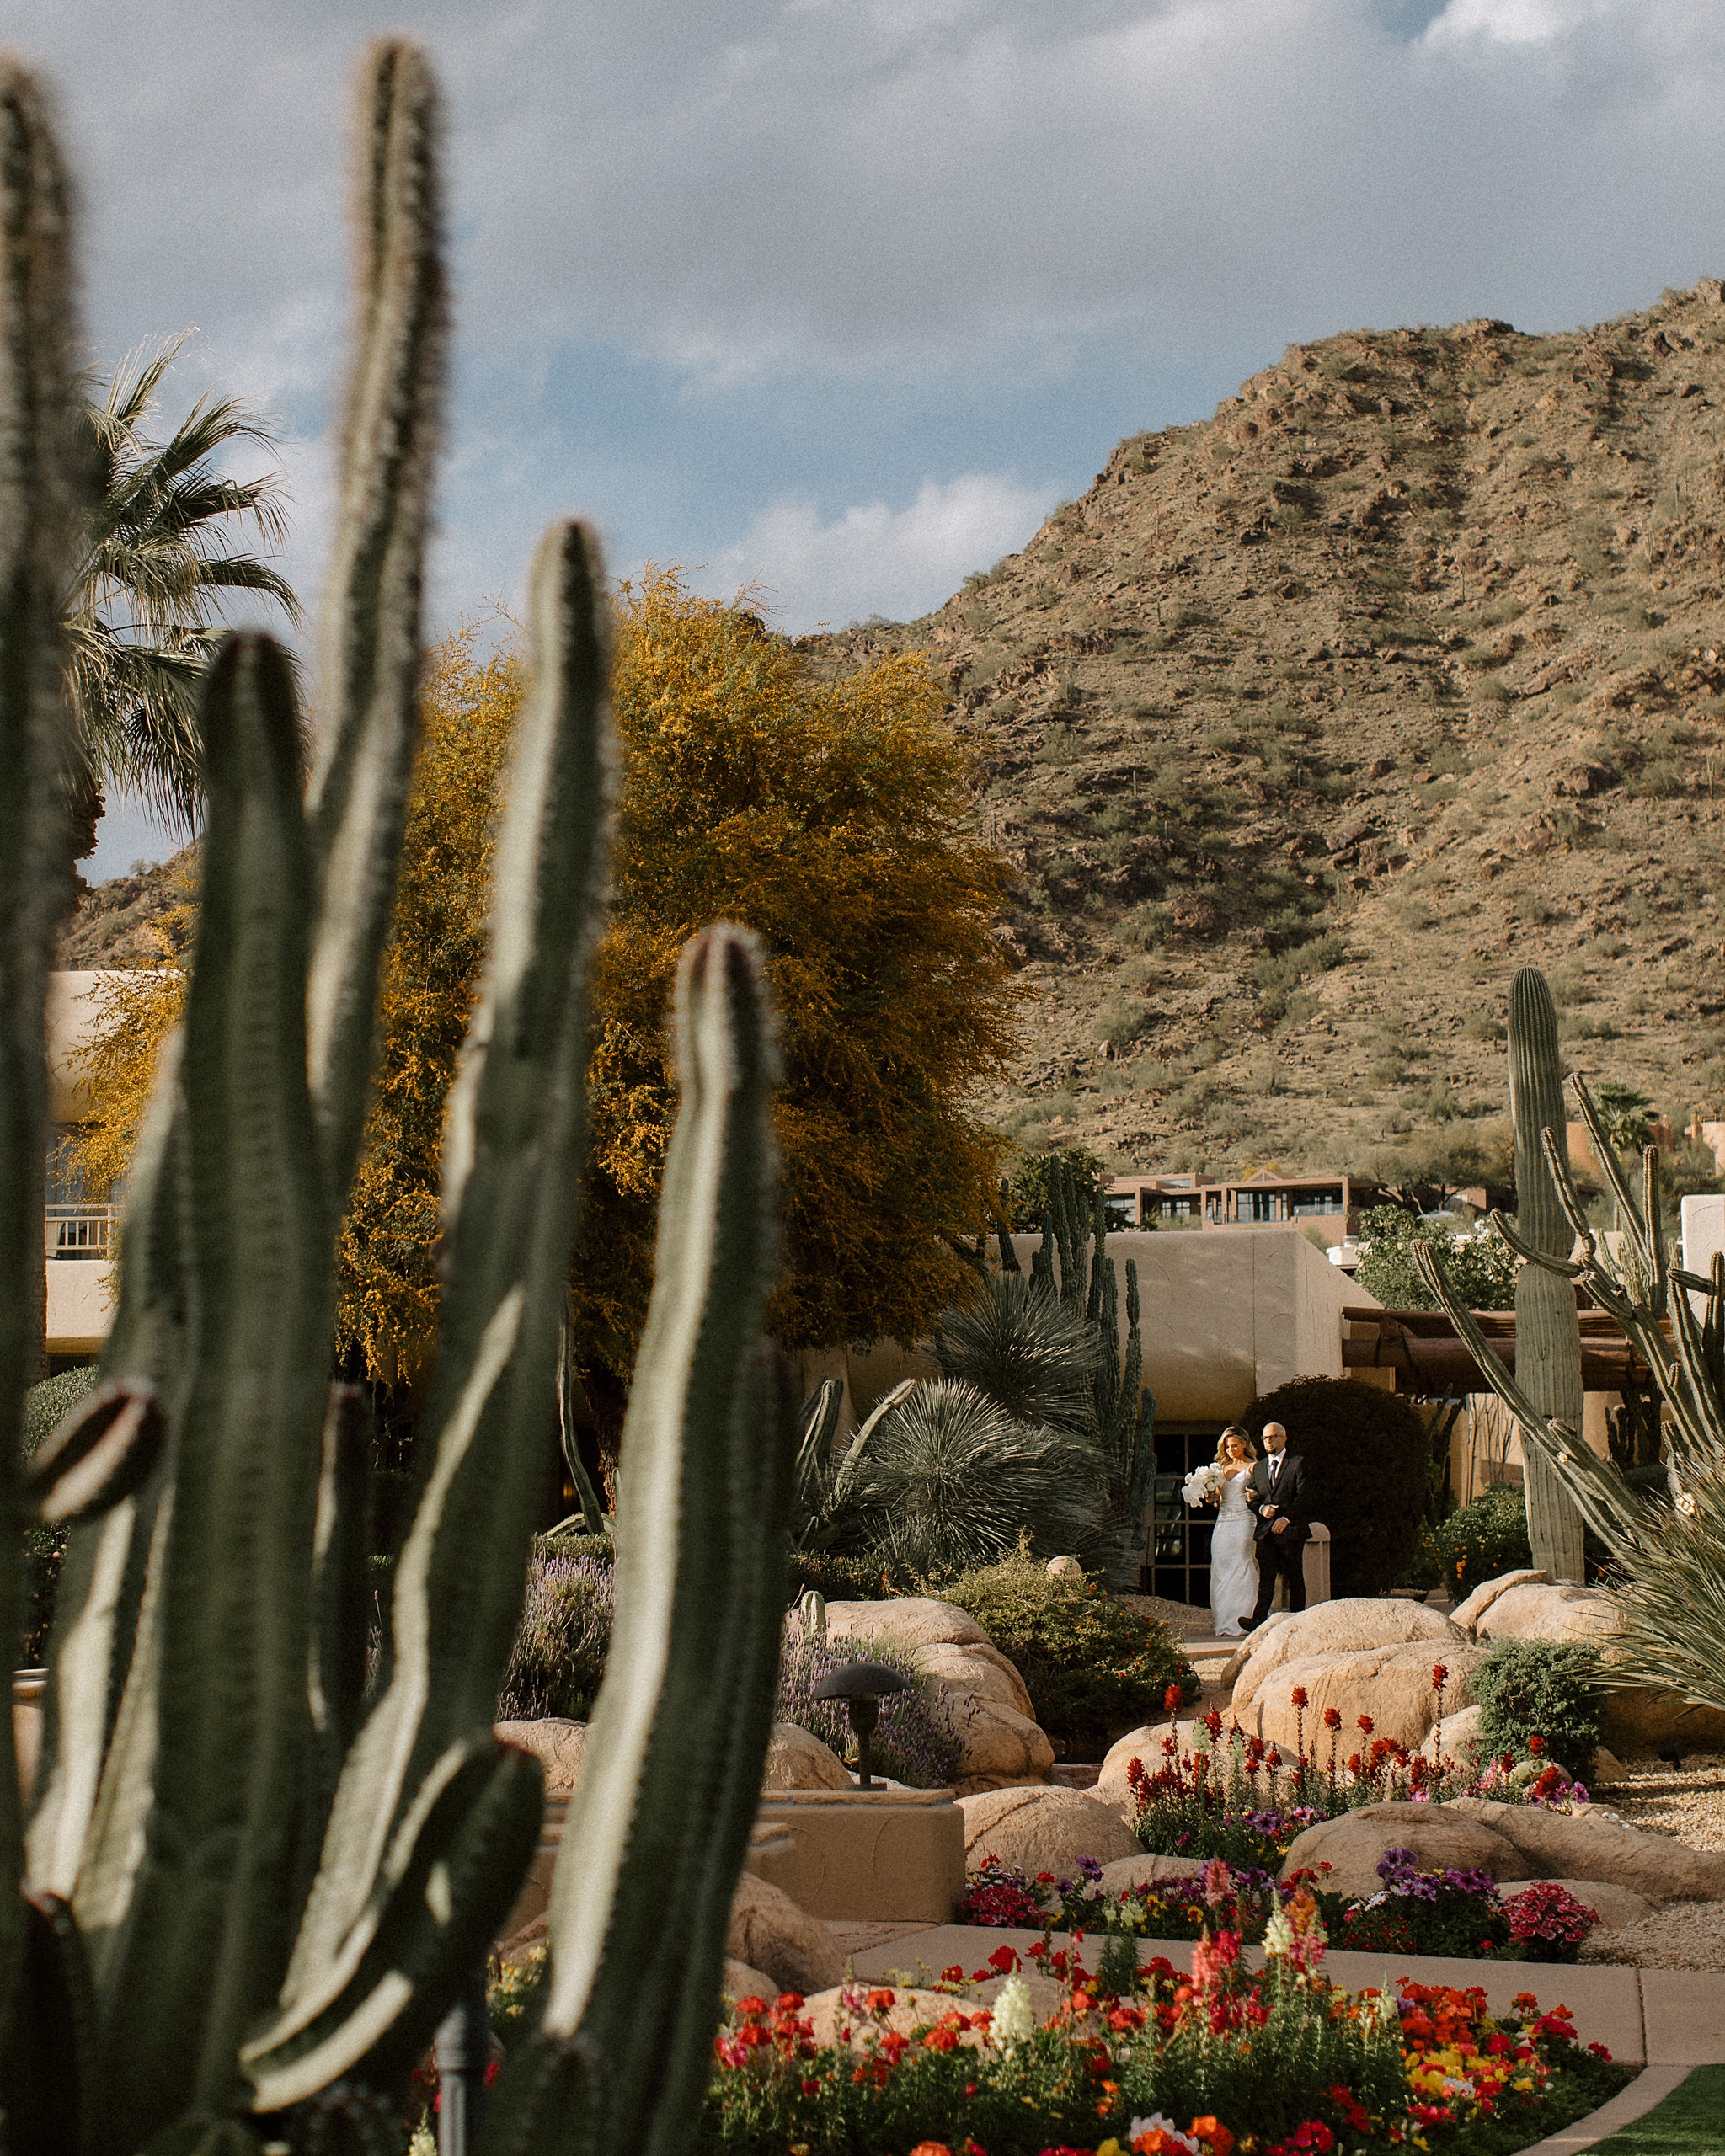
80	1312
72	1011
1226	1314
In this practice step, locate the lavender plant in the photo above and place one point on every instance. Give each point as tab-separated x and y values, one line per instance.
558	1663
917	1740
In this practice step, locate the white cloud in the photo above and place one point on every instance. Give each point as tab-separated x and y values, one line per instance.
1523	22
877	560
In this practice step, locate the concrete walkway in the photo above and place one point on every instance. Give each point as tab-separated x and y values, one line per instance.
1644	2017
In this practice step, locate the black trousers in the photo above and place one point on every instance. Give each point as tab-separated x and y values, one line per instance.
1283	1555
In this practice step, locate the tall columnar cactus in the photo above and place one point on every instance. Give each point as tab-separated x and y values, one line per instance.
38	502
252	1879
1547	1331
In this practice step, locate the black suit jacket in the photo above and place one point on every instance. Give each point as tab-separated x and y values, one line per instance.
1291	1497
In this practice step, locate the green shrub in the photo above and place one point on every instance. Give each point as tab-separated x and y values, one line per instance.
1482	1267
847	1579
1093	1668
45	1547
1483	1540
1544	1690
1365	1454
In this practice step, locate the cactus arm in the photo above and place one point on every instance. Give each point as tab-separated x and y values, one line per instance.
509	1167
1562	1266
99	1453
445	1888
231	1645
1547	1331
38	502
1605	1152
357	797
672	1779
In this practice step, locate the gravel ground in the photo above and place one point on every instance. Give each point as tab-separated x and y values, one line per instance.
1680	1936
1686	1801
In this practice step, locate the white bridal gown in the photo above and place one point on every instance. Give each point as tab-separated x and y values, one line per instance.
1233	1566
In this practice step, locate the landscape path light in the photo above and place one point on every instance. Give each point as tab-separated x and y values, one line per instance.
862	1685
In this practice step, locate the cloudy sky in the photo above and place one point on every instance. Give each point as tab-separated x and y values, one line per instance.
840	297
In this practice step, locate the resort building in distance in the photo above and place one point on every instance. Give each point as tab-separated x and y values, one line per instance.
1332	1203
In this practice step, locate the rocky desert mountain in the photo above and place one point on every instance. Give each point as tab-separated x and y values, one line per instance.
1309	723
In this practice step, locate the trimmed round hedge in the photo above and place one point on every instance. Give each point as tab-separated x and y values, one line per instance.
1365	1452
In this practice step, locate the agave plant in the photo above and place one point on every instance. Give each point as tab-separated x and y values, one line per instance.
1024	1348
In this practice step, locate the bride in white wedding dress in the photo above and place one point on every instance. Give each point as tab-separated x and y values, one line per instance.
1233	1562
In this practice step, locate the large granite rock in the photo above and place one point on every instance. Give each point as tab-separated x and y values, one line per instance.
558	1746
1004	1747
1355	1624
796	1759
1144	1871
1392	1684
1467	1614
1511	1841
1548	1609
768	1932
1043	1830
740	1980
1352	1845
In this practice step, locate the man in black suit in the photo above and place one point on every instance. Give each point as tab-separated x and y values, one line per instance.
1277	1494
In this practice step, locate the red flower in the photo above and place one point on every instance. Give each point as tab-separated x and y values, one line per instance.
1296	1698
1536	1744
1333	1718
1172	1699
1213	1725
789	2001
1440	1677
1365	1725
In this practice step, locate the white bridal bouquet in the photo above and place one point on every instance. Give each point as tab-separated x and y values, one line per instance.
1202	1484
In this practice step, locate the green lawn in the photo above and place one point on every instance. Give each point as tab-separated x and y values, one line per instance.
1690	2122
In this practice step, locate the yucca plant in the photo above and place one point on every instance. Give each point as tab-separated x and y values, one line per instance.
952	1480
1668	1547
253	1882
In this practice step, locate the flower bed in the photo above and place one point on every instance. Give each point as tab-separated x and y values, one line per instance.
1414	1912
1237	1798
1215	2063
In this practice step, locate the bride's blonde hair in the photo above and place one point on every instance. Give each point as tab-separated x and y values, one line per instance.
1245	1438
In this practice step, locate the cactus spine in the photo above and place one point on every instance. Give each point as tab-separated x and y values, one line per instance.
1548	1332
250	1879
38	501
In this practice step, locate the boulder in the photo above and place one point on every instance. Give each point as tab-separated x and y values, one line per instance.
1354	1624
1004	1747
796	1759
1142	1870
1613	1906
1461	1734
1440	1836
1043	1830
1393	1684
557	1745
1065	1568
1555	1609
982	1669
1112	1787
1643	1721
1230	1669
740	1980
1607	1768
918	1620
1467	1614
768	1932
1586	1843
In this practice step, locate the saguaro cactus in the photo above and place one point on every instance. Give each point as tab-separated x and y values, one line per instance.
251	1881
1547	1331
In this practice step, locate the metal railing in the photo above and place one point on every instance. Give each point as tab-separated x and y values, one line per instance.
81	1230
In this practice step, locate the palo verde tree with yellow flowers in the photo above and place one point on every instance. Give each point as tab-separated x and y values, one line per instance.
828	816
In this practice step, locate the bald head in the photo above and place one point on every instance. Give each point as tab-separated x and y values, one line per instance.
1275	1437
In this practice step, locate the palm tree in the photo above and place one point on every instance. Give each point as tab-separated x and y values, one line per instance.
146	604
